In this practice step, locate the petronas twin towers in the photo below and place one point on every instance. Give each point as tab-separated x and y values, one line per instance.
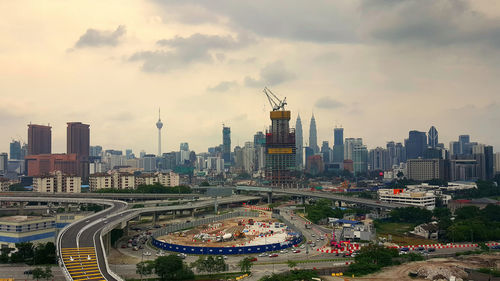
299	141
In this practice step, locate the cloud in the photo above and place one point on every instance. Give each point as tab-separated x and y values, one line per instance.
327	103
429	22
98	38
182	51
223	86
272	74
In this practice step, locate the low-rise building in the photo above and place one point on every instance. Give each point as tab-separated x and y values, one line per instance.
57	182
353	230
5	183
414	197
17	229
427	230
121	180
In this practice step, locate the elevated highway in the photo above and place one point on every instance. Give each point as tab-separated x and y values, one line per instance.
111	196
80	245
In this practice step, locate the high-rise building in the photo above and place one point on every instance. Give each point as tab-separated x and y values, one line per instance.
313	135
349	145
415	144
379	159
325	152
400	153
426	169
433	137
226	145
159	125
280	149
299	143
78	142
497	163
454	148
489	159
39	139
4	162
360	159
15	150
338	145
43	164
259	141
463	141
95	150
184	146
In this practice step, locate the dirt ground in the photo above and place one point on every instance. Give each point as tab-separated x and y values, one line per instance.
455	266
218	228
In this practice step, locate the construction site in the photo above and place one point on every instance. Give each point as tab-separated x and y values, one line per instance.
232	233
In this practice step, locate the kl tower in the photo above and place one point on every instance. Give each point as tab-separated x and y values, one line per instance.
159	125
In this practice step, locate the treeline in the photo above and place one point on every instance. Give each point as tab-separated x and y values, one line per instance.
152	188
322	209
168	268
30	254
484	189
374	257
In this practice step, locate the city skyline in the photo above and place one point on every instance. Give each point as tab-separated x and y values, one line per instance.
150	52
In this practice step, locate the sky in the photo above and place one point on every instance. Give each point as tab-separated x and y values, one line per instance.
378	68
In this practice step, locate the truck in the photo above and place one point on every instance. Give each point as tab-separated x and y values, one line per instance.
308	226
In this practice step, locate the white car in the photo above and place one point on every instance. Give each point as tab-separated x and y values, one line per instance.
262	255
147	253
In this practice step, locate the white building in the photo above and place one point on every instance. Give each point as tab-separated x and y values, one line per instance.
414	197
57	182
120	180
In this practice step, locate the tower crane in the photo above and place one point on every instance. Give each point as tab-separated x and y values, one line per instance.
275	102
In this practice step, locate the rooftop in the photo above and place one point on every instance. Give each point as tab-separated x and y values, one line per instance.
21	218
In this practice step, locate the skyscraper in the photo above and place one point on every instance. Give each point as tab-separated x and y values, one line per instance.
39	139
338	145
313	137
299	143
184	146
463	143
78	142
159	125
15	150
3	163
350	144
226	145
433	137
415	144
325	152
280	149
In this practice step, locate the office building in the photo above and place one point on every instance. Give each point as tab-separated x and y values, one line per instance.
454	148
280	149
489	159
43	164
259	141
379	159
4	163
57	182
313	135
39	139
226	145
415	145
78	142
463	141
248	153
15	150
299	143
95	151
349	145
360	159
325	152
148	163
464	169
432	137
497	163
315	164
184	146
426	169
338	145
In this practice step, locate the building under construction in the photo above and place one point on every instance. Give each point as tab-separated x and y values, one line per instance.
280	144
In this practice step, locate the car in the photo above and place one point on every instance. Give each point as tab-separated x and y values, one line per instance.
353	255
346	254
273	255
313	235
420	248
496	247
283	251
262	255
105	221
28	272
141	246
404	249
296	251
431	250
182	255
147	253
317	239
253	259
124	246
302	247
322	238
225	257
135	248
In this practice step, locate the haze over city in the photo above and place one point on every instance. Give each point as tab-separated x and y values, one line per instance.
378	68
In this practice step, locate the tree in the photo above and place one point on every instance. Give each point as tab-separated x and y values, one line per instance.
210	264
145	267
48	273
171	267
25	253
291	264
38	273
245	264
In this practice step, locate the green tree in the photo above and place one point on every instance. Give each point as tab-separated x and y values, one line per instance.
467	212
411	215
291	264
245	264
40	273
210	264
145	267
172	268
48	273
24	254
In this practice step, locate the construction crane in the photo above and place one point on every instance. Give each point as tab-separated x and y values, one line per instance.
275	102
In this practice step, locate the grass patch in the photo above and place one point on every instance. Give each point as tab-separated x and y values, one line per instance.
397	230
491	271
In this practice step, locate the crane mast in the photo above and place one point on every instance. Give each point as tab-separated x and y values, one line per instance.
276	103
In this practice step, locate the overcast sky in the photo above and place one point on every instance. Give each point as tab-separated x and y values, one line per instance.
377	67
